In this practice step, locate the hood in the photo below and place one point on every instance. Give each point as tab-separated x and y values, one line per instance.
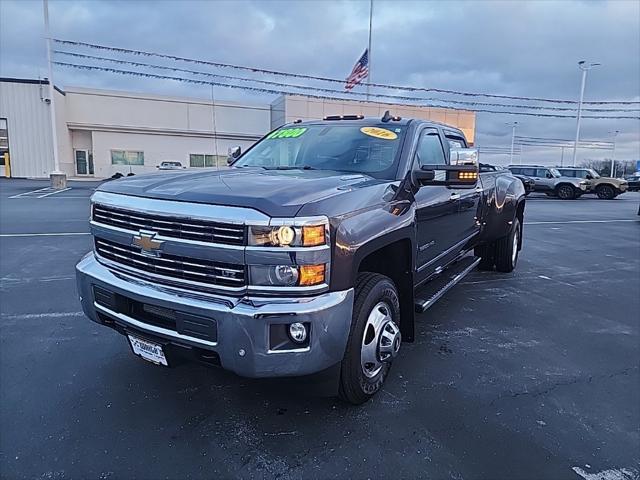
277	193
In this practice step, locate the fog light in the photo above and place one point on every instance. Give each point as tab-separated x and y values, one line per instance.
298	332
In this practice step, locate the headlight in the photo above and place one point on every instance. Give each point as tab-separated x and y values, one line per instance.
288	235
286	275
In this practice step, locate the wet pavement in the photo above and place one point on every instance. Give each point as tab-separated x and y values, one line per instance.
533	374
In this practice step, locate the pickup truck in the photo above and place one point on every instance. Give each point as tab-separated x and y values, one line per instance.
310	254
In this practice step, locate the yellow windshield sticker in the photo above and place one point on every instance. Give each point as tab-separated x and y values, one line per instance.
379	133
287	133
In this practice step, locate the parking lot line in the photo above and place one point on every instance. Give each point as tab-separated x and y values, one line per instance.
56	234
40	193
23	194
583	221
55	192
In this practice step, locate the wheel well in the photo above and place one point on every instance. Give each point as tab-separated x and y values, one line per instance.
567	184
394	261
605	185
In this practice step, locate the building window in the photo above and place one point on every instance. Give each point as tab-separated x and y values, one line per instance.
125	157
204	160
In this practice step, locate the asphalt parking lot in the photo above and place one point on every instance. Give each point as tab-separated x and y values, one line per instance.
533	374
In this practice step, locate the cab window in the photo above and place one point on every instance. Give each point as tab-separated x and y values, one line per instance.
542	172
430	151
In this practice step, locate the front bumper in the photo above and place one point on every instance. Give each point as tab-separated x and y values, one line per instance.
242	340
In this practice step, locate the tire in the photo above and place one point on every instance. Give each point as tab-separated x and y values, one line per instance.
487	254
606	192
566	192
507	249
359	380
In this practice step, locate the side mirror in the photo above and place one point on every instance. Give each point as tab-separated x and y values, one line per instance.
461	173
232	154
548	175
589	176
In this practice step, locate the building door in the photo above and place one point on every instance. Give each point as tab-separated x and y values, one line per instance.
84	162
4	145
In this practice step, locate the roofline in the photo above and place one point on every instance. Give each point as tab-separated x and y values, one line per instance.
32	81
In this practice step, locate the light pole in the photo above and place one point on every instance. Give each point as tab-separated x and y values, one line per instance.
585	68
613	156
58	178
513	138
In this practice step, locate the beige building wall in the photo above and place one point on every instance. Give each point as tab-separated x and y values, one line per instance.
163	128
307	108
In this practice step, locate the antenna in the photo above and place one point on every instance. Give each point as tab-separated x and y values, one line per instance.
386	117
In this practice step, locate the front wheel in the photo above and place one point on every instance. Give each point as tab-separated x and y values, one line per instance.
606	192
374	339
566	192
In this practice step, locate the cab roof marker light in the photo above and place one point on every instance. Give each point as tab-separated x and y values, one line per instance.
298	120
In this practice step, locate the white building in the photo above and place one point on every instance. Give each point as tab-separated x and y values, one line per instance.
104	132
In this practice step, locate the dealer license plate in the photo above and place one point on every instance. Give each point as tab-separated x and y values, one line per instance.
148	350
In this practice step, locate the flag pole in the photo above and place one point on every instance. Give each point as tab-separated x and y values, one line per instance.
369	48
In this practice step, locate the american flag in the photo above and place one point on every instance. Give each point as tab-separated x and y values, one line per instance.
360	71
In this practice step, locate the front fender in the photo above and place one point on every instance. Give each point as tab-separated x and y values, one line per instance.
363	232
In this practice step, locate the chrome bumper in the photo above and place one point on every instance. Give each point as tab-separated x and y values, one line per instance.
242	341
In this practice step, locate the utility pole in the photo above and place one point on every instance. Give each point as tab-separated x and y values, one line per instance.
369	47
613	157
585	68
513	138
562	158
58	178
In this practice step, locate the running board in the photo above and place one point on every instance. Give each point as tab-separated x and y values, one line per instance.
427	295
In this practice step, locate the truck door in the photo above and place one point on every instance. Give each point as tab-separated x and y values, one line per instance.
436	209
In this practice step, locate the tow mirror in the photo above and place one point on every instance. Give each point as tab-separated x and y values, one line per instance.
462	172
233	154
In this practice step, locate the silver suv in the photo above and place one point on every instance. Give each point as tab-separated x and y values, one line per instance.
549	180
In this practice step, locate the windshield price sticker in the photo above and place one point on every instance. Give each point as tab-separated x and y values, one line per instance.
287	133
379	133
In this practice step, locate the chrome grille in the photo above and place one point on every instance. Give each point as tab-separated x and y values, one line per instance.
206	272
171	227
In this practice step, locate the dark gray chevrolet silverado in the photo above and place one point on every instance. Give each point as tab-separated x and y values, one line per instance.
311	253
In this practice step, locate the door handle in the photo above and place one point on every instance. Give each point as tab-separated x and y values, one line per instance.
455	196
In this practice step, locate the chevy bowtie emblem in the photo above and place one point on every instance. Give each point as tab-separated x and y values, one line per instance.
147	243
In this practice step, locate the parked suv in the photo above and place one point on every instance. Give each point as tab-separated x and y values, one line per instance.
605	187
549	180
528	183
634	182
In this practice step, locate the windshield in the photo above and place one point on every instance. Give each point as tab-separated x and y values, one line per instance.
349	148
594	174
555	172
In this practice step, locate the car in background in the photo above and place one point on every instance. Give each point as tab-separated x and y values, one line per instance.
528	183
549	180
633	182
606	188
170	165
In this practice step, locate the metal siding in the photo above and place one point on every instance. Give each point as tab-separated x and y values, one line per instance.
29	128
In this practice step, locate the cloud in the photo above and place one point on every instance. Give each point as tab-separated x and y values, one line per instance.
515	48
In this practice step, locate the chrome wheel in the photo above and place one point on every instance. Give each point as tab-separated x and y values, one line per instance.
514	253
381	340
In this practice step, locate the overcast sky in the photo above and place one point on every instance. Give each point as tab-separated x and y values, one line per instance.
508	47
